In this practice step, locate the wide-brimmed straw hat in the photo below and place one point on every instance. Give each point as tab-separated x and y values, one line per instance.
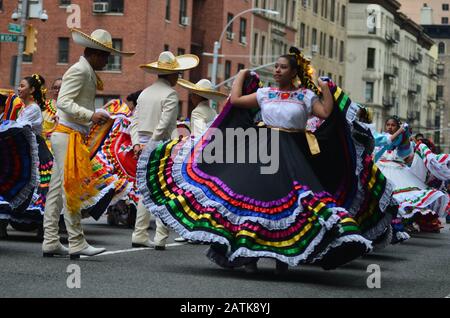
168	63
204	88
6	91
99	40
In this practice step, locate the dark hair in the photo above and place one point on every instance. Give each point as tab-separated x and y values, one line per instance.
303	67
133	97
396	119
419	135
3	99
38	82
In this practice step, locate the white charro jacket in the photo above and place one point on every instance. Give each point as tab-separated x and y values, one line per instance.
155	116
76	99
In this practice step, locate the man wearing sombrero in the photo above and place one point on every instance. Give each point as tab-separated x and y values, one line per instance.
76	112
155	120
201	94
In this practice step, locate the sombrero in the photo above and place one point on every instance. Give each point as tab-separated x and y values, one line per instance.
5	91
168	63
204	88
99	40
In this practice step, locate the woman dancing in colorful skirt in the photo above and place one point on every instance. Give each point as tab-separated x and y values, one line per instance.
393	155
292	208
434	170
22	112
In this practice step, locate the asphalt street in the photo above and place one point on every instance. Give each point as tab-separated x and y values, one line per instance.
419	267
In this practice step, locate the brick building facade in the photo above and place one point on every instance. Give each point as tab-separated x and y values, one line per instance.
149	27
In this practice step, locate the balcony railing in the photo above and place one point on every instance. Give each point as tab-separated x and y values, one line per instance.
390	71
414	59
390	38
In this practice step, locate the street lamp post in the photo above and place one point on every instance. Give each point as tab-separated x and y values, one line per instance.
217	44
23	13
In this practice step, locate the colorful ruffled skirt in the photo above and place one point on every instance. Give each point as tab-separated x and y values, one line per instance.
19	158
299	214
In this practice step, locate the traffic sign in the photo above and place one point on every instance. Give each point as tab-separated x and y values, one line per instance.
16	28
5	37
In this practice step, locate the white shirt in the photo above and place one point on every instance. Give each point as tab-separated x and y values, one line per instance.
32	114
285	109
201	116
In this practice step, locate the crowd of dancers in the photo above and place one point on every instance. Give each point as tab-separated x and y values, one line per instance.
340	188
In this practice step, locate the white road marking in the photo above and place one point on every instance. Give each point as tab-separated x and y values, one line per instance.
131	250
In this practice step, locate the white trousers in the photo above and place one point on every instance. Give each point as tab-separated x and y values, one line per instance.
141	235
55	196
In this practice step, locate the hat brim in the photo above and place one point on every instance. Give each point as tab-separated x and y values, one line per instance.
203	92
185	62
85	40
5	91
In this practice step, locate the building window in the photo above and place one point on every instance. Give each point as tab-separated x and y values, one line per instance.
255	46
302	35
183	11
27	58
330	47
168	10
441	69
444	20
369	92
114	6
343	16
440	92
307	36
294	8
341	52
340	81
115	61
314	37
445	7
181	51
243	31
332	10
240	67
227	69
320	43
316	6
370	58
63	50
166	47
61	3
441	48
324	44
230	17
263	50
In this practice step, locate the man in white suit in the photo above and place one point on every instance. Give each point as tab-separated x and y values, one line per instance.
155	120
76	112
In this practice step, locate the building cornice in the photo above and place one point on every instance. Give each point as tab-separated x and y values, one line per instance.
390	5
